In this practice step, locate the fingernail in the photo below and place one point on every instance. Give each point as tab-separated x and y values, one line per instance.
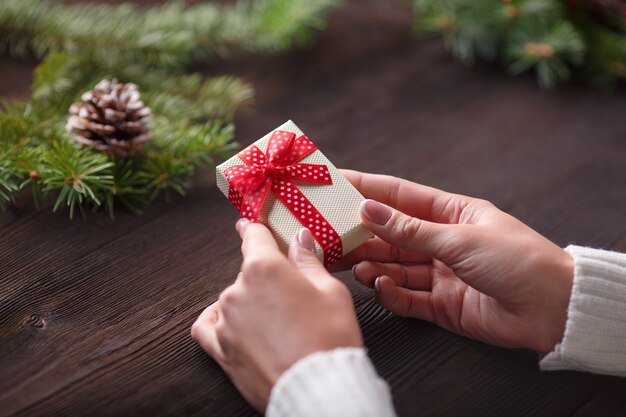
377	284
376	212
305	240
241	224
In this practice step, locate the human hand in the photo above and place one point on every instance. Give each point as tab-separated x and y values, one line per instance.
278	311
461	263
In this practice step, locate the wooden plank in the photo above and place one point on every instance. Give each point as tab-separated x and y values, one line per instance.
610	402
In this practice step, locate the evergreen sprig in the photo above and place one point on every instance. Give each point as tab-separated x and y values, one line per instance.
541	35
81	176
9	183
37	153
81	45
552	48
167	36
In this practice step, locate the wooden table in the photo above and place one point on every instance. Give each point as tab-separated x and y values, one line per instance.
95	314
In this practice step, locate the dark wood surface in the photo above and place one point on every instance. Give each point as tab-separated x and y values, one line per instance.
95	314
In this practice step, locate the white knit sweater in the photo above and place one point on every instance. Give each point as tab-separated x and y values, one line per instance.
595	331
343	382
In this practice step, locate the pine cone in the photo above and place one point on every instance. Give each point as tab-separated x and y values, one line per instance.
111	118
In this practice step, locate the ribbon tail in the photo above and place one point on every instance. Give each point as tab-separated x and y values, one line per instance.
308	216
254	199
235	198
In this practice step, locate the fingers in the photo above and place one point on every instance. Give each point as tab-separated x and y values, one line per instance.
377	250
414	199
404	302
410	233
302	255
257	239
203	331
412	277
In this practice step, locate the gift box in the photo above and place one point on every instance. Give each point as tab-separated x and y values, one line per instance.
285	182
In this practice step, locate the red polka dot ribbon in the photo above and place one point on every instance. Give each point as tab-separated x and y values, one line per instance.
276	170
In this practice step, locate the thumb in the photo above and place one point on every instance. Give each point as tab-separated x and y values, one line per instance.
302	255
410	233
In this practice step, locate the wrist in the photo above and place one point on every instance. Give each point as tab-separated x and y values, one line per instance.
563	281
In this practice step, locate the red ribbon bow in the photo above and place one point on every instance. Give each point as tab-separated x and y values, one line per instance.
276	170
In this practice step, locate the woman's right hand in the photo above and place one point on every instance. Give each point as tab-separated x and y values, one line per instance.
461	263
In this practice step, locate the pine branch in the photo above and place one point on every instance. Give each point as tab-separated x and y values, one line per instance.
606	63
169	36
9	182
279	23
61	78
188	97
81	45
467	27
179	149
539	35
48	162
549	46
129	187
83	177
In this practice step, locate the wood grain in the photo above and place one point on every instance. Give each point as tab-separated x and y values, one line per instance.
95	315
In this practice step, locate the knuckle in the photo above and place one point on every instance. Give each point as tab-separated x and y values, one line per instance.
408	307
252	264
195	330
228	297
471	209
407	229
394	253
261	266
484	204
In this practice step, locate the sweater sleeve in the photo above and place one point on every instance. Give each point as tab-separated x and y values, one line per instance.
341	382
595	331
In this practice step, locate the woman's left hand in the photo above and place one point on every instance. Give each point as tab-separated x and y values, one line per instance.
278	311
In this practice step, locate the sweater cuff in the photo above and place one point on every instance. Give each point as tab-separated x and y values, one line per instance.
340	382
595	331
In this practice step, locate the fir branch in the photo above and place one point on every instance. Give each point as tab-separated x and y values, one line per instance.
80	45
606	64
188	97
27	165
278	23
20	136
81	176
177	150
164	174
169	36
527	8
16	125
37	153
467	27
129	187
60	79
549	46
539	35
9	182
